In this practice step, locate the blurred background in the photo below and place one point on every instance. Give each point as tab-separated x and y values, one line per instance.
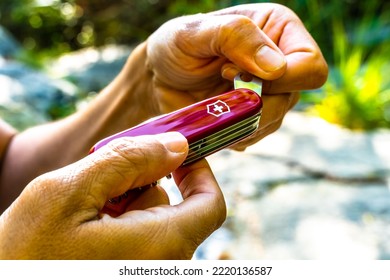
324	189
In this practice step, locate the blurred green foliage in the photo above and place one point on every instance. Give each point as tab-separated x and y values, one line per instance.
357	93
62	26
353	35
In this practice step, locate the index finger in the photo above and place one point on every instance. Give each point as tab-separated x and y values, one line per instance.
203	208
163	231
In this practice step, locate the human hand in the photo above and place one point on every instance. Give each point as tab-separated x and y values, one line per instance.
195	57
58	215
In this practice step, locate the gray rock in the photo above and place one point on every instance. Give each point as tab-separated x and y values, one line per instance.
29	96
91	69
9	46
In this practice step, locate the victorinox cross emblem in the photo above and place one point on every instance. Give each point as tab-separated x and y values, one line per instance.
218	108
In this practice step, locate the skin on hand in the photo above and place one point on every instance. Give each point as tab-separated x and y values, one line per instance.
57	216
196	57
188	59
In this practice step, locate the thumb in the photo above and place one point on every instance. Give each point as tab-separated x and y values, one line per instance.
122	164
235	38
129	163
249	48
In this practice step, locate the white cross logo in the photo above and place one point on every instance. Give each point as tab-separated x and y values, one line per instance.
218	108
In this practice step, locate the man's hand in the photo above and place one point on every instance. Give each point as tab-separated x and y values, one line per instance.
58	215
196	57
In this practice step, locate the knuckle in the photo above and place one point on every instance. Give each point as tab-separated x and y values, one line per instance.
126	152
236	26
318	75
318	70
140	153
322	72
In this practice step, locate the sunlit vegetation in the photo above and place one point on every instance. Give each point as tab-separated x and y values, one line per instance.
353	35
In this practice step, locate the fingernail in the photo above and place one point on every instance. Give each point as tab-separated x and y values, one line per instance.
174	142
268	59
229	73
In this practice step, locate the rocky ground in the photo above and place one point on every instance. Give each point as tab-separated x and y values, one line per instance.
311	190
